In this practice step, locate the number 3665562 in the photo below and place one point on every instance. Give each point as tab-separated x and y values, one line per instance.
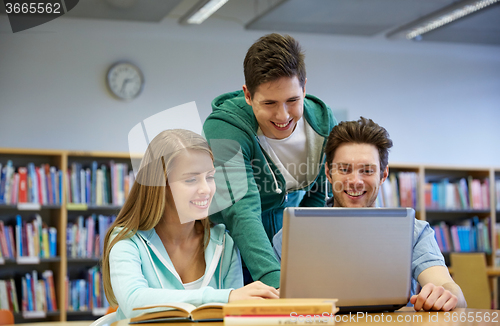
33	8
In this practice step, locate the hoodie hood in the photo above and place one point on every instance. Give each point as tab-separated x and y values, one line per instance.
213	252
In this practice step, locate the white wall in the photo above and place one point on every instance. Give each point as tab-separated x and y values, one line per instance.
439	102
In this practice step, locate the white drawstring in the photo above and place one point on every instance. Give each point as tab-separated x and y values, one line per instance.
326	181
278	190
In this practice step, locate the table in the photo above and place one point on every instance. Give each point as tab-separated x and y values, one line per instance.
60	323
405	316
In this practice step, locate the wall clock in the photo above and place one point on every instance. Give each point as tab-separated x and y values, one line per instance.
125	80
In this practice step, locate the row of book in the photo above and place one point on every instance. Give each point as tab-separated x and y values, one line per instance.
86	294
462	194
85	237
497	253
497	188
31	184
399	190
472	235
8	295
28	239
104	185
38	294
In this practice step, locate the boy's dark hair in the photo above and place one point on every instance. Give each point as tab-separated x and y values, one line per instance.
273	56
363	131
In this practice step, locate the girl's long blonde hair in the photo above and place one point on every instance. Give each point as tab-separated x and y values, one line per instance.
150	193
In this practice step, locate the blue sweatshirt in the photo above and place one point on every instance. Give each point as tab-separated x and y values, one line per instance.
143	274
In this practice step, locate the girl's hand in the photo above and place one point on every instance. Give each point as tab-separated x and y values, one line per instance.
255	290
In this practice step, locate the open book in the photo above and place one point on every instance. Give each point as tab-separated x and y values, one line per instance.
178	312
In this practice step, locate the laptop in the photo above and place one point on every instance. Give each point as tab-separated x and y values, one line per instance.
361	256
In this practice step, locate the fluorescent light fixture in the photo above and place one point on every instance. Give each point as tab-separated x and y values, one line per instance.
201	11
440	18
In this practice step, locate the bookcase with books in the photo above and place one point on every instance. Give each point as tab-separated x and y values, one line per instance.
55	207
458	207
460	204
31	217
496	234
97	186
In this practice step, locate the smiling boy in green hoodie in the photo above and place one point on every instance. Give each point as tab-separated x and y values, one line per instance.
280	133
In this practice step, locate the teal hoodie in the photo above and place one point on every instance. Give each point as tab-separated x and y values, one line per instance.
254	218
143	274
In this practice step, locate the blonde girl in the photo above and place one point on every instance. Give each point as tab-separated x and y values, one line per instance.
161	247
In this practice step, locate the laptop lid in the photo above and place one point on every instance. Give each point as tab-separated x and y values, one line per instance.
361	256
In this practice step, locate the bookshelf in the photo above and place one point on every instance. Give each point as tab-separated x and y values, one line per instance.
495	198
45	211
65	267
89	216
61	215
458	208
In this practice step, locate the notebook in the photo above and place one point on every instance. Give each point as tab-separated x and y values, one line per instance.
361	256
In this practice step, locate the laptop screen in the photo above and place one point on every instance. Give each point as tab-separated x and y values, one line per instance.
361	256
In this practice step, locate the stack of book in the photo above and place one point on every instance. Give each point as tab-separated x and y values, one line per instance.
462	194
38	294
30	184
34	239
86	294
472	235
85	238
29	239
281	311
399	190
8	295
244	312
497	251
104	185
7	242
497	192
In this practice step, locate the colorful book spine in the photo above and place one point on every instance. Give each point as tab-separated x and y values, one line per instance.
23	185
48	276
84	238
86	294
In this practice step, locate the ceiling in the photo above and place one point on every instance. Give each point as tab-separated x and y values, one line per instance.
361	18
377	18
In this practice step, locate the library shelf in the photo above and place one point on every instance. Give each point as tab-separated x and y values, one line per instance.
57	216
85	207
32	261
451	175
94	260
30	317
29	207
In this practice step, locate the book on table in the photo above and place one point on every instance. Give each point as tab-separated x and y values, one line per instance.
279	307
179	312
280	311
280	320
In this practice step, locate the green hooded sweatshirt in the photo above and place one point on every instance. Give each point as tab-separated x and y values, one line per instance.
251	183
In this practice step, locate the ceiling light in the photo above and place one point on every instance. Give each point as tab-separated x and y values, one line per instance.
415	29
201	11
